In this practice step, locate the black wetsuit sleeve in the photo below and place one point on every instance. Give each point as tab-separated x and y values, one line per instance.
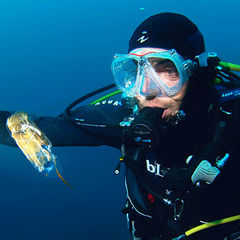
229	139
94	129
62	133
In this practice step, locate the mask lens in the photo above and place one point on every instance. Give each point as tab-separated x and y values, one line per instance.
166	71
125	73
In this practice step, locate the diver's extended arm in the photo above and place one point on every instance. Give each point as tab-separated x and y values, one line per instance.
89	132
59	131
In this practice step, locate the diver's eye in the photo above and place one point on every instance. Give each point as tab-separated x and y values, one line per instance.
167	68
171	72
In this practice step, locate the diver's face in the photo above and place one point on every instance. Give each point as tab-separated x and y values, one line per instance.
166	71
156	70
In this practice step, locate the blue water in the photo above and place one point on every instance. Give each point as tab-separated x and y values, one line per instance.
52	52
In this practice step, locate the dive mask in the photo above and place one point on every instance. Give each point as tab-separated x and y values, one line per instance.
151	72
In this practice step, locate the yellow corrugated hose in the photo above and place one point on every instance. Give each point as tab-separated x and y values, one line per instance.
212	224
208	225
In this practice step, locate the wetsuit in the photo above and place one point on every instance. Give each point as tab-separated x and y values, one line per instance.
149	192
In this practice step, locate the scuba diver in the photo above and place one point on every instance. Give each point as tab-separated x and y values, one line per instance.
175	118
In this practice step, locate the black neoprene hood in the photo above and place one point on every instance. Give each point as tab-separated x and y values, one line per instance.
169	31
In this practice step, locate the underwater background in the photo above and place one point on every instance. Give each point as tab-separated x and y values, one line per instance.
51	53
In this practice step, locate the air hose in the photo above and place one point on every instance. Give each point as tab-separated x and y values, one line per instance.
105	97
229	66
67	112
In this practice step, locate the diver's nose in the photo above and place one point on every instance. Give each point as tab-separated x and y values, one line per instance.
147	89
145	85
